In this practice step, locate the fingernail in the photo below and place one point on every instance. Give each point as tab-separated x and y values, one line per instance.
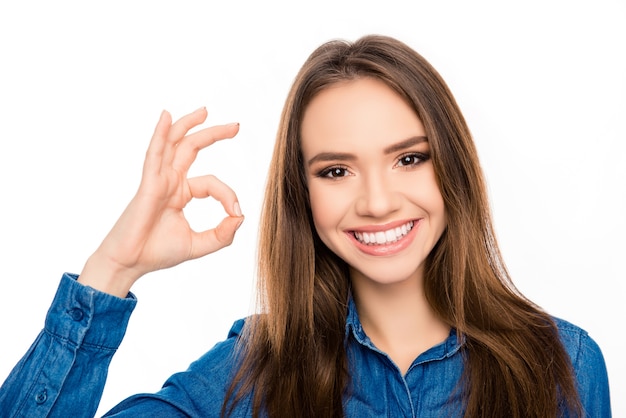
233	124
237	209
201	108
240	222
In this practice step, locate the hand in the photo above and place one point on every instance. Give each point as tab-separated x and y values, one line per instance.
153	233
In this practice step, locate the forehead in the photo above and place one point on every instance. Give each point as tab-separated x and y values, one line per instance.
358	113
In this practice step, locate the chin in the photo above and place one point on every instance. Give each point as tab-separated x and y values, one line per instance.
386	277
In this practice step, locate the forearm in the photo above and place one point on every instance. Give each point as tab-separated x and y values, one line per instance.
64	371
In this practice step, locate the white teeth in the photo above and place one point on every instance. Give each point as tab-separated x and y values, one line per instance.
384	237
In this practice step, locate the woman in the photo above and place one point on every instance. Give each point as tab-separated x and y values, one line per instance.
382	289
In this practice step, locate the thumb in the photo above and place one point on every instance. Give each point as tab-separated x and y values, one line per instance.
207	242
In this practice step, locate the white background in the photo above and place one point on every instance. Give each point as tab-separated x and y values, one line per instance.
542	85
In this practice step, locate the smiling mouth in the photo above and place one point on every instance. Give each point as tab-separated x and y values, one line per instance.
384	237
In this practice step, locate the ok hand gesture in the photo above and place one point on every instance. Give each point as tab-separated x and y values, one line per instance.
153	233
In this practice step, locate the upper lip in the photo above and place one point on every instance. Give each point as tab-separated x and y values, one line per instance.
383	227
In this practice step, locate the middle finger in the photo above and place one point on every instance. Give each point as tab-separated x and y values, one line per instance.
188	148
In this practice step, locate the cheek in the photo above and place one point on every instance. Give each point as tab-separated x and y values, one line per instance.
319	208
428	196
326	209
436	207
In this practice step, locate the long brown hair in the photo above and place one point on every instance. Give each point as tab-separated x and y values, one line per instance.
293	356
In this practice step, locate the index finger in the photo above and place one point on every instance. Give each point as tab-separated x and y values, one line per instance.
209	185
211	240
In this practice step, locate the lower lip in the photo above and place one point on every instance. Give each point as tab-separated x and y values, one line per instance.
387	249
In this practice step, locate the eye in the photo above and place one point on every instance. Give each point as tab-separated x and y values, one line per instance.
334	172
412	159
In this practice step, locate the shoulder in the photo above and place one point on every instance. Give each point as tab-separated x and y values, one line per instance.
589	368
198	391
223	354
577	342
201	389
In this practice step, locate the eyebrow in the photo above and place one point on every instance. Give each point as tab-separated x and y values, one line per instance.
407	143
333	156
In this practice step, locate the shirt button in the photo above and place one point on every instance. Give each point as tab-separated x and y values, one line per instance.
41	397
76	314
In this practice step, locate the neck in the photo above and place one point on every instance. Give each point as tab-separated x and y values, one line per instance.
398	318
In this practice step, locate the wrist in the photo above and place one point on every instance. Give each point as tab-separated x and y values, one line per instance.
107	276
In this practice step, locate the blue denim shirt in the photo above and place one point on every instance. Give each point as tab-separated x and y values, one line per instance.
63	373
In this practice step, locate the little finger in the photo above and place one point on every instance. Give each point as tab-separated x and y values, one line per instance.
154	153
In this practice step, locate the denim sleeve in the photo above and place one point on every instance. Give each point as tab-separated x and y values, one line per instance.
64	371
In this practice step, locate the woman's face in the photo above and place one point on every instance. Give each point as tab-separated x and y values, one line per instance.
374	197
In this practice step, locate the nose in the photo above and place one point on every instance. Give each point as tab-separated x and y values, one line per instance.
377	196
